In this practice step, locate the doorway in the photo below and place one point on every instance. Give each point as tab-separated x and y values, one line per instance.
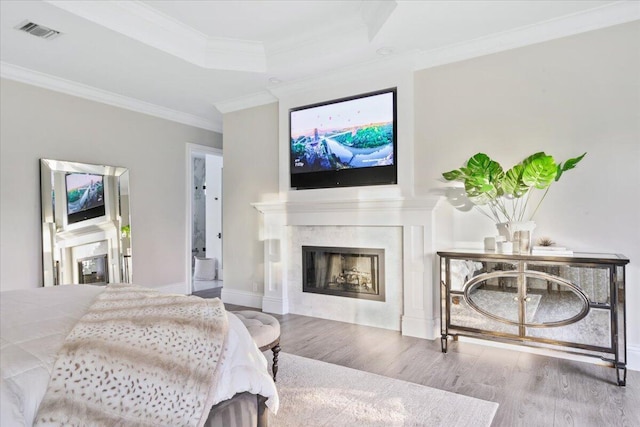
204	220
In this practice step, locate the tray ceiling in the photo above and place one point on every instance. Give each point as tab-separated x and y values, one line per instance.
181	59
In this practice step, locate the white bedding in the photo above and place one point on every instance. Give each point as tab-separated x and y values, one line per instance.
35	323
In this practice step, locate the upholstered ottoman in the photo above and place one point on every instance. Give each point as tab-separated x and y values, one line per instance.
265	331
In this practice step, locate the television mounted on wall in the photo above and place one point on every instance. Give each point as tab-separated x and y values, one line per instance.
85	196
345	142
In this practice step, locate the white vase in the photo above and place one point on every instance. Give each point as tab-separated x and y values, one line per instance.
518	232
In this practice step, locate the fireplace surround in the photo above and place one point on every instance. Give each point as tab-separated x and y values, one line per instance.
410	230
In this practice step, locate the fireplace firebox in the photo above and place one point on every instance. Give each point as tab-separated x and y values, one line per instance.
346	272
93	270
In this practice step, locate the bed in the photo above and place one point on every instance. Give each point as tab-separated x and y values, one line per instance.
33	329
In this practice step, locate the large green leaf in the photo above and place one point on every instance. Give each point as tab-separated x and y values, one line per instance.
481	164
481	176
480	189
569	164
533	157
540	170
485	182
512	182
478	162
454	175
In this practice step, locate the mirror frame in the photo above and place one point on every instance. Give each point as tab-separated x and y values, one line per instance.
69	247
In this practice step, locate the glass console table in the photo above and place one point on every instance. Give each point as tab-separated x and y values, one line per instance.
570	303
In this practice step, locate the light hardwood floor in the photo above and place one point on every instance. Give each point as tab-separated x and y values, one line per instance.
532	390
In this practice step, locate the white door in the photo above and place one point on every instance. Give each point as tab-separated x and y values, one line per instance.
214	210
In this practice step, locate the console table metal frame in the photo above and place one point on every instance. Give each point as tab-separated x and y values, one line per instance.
615	264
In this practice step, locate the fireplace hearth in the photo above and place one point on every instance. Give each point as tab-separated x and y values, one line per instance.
346	272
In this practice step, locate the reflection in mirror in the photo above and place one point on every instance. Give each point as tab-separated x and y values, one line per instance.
592	330
86	231
559	305
463	315
501	302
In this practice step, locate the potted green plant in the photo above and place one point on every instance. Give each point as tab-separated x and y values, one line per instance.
125	233
505	196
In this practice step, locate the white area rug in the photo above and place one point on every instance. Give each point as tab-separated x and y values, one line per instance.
314	393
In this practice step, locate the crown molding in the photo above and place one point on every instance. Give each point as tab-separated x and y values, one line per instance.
47	81
593	19
147	25
396	63
248	101
589	20
392	64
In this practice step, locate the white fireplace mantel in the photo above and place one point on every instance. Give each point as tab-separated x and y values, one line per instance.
425	223
387	212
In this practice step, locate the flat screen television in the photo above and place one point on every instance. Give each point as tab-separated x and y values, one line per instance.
345	142
85	196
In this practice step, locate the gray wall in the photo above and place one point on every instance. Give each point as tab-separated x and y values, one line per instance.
564	97
250	172
567	96
37	123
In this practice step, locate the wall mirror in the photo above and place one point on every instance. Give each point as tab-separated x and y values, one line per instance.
86	224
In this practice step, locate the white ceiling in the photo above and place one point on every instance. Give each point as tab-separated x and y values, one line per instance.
182	59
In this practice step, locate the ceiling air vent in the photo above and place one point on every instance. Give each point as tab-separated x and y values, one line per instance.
38	30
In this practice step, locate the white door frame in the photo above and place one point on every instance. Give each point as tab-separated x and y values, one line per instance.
192	149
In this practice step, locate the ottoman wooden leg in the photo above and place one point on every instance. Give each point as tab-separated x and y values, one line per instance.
275	350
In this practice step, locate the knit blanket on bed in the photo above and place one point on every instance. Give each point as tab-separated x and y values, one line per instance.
138	358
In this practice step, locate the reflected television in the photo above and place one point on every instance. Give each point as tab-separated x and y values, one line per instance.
345	142
85	196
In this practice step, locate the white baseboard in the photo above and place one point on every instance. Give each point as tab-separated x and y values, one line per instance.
247	299
419	328
633	357
275	305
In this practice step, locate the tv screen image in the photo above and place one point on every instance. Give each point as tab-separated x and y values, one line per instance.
345	142
85	196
